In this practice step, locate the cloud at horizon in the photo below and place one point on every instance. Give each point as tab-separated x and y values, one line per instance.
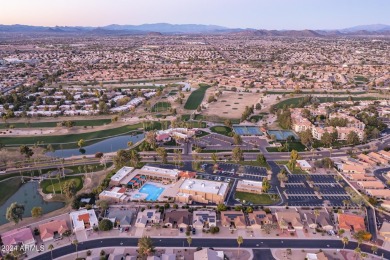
259	14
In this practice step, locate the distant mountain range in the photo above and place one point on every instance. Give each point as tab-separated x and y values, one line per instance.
166	28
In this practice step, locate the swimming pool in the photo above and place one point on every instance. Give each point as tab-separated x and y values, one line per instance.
152	190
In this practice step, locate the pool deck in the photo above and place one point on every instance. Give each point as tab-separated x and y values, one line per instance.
137	195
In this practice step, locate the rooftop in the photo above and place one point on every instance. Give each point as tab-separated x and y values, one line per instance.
123	172
214	187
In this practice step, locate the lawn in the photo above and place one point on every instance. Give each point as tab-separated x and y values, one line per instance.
195	124
161	107
223	130
262	199
95	122
196	97
47	186
185	117
74	138
8	188
293	102
202	133
298	146
254	163
256	118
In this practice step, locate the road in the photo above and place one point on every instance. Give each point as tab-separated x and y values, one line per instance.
211	242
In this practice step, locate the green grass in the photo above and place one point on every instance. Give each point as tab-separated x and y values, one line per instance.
223	130
161	107
254	163
196	97
47	186
298	171
298	146
185	117
8	188
293	102
74	138
195	124
95	122
256	118
361	79
199	117
203	133
262	199
281	162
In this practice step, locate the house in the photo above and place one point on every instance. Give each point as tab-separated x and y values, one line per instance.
371	184
378	158
52	230
304	165
320	221
83	219
289	220
361	177
379	193
121	217
114	195
208	254
249	186
351	222
177	219
384	231
317	256
203	219
149	216
257	219
16	237
233	219
353	168
367	159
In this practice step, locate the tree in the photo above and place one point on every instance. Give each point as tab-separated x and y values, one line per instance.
81	143
282	176
134	158
36	212
306	137
51	247
265	185
26	151
15	212
228	123
326	139
214	158
345	241
189	241
240	240
237	139
374	249
145	246
105	225
103	204
362	235
353	138
316	214
294	155
221	207
69	188
237	154
162	152
261	159
121	158
76	244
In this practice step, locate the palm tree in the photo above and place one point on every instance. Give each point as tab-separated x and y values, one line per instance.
316	214
357	251
50	247
76	243
240	240
345	241
189	241
59	181
214	157
374	249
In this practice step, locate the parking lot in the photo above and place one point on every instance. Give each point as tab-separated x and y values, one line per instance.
221	142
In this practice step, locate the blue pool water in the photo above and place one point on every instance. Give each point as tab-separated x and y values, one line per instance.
153	191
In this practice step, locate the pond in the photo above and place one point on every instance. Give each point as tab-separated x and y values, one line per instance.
29	196
105	146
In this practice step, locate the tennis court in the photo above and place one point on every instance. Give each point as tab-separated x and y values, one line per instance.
247	130
282	135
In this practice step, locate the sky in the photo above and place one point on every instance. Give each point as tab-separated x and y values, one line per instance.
258	14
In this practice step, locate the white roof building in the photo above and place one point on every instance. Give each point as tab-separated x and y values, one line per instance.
121	174
83	219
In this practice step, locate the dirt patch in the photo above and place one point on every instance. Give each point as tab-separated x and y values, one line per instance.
232	104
